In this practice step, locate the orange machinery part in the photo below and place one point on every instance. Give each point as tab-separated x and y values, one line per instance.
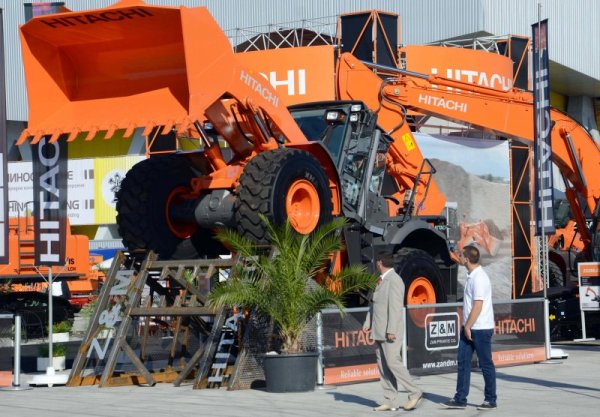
21	263
505	113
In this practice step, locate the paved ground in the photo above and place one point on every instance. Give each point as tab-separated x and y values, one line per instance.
567	387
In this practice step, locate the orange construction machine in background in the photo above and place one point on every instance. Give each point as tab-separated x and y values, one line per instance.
21	274
171	73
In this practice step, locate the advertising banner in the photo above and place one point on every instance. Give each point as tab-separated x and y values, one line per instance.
50	200
433	335
544	194
348	354
3	156
92	184
432	338
470	65
299	75
589	285
108	174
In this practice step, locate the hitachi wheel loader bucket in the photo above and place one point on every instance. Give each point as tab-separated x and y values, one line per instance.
133	65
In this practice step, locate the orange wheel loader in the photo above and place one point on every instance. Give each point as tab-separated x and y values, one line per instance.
170	72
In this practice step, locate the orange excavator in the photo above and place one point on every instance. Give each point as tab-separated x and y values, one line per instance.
171	73
506	113
20	273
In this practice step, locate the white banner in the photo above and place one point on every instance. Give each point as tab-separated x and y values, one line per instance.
80	204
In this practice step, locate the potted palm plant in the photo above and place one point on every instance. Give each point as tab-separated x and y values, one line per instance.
282	287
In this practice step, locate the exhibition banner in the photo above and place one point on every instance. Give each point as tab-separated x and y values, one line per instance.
348	353
50	200
3	155
299	75
92	185
432	336
589	285
542	152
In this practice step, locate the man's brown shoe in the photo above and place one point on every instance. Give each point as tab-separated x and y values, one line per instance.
412	404
384	407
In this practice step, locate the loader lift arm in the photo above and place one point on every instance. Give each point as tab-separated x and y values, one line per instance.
504	113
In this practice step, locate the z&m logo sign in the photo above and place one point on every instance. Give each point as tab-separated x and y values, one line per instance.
442	331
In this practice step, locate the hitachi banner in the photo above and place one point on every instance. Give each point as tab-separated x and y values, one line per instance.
3	157
50	200
299	75
544	194
466	65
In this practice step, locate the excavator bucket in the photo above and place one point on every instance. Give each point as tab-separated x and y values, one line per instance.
126	66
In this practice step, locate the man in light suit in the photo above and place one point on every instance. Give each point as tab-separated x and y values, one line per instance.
385	321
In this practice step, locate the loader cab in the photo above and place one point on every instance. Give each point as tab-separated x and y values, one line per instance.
313	121
349	132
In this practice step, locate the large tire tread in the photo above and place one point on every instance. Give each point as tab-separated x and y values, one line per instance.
141	211
258	190
411	263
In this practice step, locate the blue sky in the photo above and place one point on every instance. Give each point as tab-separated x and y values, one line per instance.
476	156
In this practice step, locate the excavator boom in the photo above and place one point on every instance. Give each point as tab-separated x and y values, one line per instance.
505	113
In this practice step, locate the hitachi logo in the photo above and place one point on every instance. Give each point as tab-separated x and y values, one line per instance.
444	104
295	82
258	87
497	81
91	18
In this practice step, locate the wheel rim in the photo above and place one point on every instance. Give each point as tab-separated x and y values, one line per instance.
302	206
182	230
420	291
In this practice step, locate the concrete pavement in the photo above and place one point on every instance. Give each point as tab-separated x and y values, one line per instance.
560	388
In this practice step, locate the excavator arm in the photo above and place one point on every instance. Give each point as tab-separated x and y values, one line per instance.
504	113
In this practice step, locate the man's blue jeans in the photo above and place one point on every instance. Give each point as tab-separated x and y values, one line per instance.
482	345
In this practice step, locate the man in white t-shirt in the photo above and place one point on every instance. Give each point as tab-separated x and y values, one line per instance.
476	334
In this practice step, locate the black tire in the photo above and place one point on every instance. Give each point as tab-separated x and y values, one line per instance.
264	186
412	264
141	209
556	277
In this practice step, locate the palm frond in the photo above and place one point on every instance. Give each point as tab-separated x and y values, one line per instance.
281	285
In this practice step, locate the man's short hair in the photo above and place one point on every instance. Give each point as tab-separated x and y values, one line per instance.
471	253
386	258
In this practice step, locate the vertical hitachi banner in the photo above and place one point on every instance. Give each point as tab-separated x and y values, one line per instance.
50	200
3	156
544	194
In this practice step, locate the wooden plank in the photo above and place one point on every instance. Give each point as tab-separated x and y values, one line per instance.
133	296
173	311
205	353
212	344
92	329
145	331
138	364
188	286
175	332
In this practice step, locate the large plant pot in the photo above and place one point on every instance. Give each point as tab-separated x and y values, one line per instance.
296	372
58	363
60	337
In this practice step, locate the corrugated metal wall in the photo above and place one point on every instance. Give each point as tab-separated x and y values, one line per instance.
575	25
573	29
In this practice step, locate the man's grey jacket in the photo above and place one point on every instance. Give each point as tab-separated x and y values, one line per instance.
385	312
